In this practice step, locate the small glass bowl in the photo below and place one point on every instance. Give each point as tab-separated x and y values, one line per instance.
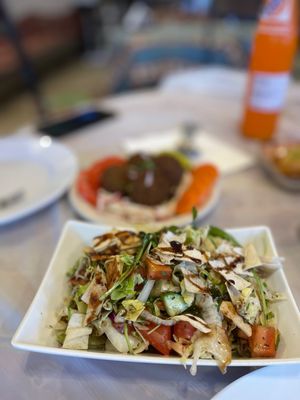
282	162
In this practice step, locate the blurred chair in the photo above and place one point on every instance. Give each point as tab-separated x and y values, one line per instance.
48	40
23	61
236	8
147	58
146	66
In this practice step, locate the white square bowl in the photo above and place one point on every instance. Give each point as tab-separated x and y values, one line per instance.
35	332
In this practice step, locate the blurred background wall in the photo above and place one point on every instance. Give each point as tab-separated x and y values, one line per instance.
80	50
23	8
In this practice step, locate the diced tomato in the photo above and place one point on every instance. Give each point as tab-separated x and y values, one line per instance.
141	269
263	341
157	271
184	330
89	180
199	191
159	337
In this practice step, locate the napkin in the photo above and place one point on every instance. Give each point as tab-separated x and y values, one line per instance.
228	158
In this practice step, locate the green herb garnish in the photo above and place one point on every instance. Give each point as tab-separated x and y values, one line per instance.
217	232
261	296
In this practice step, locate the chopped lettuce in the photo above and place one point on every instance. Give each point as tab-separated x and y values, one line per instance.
194	236
133	308
261	296
220	233
127	259
126	289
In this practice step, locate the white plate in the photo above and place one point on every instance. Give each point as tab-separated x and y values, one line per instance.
35	333
275	382
34	172
90	213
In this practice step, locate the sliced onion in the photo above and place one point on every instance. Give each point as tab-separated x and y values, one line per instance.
158	321
141	347
196	356
196	322
117	339
145	292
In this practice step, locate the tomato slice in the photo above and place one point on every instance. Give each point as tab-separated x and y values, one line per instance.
85	189
159	337
206	172
197	194
88	181
184	330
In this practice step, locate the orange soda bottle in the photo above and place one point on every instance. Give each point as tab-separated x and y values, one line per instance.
272	57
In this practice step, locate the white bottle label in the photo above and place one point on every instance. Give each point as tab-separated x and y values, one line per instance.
277	18
277	11
268	91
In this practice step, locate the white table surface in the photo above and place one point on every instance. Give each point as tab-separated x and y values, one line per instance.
248	198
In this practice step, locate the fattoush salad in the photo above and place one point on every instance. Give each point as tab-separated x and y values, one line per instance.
187	291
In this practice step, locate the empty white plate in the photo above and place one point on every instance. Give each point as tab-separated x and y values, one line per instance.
274	382
33	173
